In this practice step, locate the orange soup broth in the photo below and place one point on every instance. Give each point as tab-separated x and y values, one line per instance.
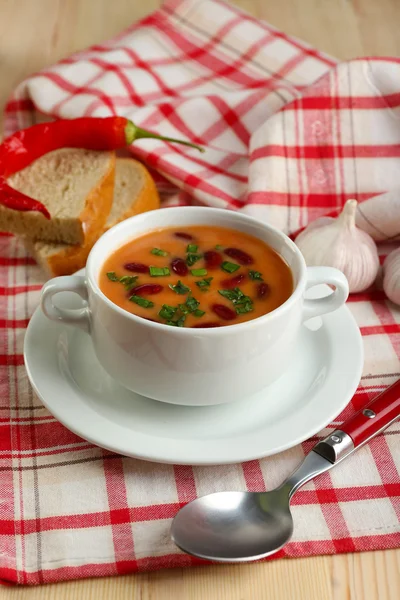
274	269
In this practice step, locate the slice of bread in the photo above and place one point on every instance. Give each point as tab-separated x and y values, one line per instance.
134	192
75	185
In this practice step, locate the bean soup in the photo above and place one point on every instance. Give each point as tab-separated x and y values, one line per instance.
199	277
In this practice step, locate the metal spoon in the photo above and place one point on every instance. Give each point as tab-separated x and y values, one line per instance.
245	526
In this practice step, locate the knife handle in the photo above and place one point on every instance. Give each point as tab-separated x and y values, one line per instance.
383	410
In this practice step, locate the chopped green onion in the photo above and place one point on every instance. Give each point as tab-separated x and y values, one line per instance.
219	247
159	271
191	306
112	276
229	294
192	303
128	281
199	272
244	308
242	303
167	312
159	252
192	258
179	288
229	267
191	248
178	323
256	276
142	301
183	308
204	284
233	295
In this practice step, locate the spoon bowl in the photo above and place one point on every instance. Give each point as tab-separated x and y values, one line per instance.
234	526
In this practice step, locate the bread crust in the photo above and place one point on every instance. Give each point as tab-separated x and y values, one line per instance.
148	198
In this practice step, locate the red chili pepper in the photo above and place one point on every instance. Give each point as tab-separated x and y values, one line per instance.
25	146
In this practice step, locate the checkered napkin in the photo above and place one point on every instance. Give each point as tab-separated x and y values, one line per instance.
279	147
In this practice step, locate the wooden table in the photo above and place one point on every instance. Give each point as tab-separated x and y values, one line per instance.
35	33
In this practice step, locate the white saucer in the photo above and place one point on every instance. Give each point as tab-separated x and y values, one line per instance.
67	377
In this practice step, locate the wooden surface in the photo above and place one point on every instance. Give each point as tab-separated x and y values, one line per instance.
35	33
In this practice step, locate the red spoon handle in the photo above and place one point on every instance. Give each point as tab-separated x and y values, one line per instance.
376	416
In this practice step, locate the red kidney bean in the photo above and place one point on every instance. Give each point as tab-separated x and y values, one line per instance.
179	267
206	325
229	284
224	312
263	290
240	255
147	289
213	259
183	235
136	267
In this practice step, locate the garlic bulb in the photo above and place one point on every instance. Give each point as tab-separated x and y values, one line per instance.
339	243
391	276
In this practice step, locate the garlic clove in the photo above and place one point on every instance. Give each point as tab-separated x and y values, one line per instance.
391	276
339	243
380	216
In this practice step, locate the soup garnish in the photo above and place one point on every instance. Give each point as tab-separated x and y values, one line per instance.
204	276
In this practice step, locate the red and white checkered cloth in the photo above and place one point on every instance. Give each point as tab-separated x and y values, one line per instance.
280	147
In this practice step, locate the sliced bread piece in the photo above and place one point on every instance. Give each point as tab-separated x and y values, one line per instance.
134	192
75	185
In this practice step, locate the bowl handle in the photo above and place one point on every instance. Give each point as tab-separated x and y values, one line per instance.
329	276
74	283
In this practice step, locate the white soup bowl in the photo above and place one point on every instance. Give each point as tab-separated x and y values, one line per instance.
184	365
